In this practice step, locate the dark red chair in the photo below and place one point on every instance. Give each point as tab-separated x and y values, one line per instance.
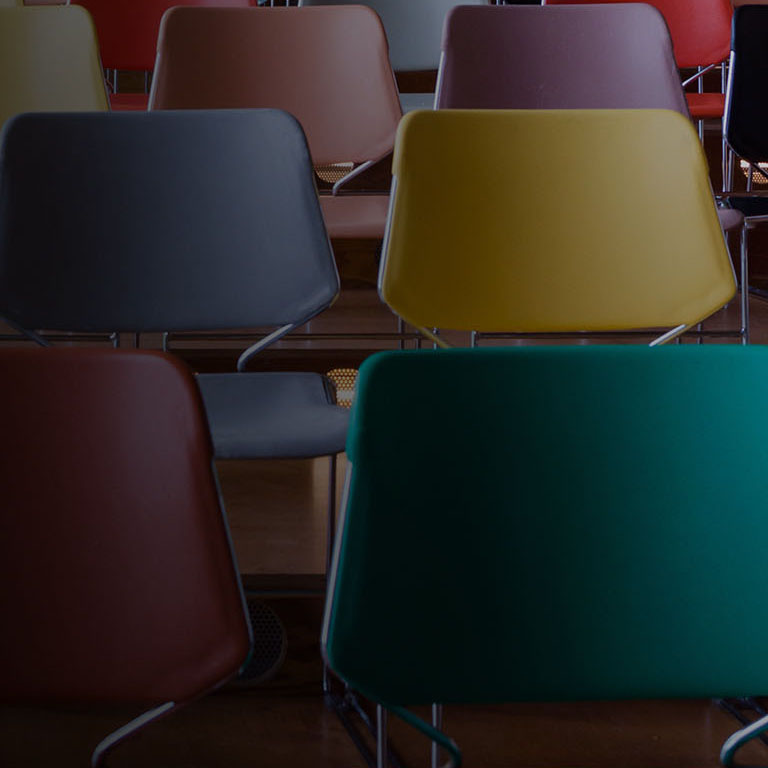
127	32
118	579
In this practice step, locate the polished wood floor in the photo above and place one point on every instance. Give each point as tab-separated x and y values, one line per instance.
277	514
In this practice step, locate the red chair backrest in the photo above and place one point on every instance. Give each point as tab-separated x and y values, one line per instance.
700	29
118	581
127	29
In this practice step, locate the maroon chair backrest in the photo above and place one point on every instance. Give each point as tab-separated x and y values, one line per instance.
118	580
533	57
127	29
700	29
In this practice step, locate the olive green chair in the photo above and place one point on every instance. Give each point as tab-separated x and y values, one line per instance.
49	61
552	524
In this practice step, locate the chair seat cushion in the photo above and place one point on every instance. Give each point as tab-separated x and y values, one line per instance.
272	415
731	218
353	216
128	101
703	105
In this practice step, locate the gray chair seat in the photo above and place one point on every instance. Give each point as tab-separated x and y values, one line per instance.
411	101
272	415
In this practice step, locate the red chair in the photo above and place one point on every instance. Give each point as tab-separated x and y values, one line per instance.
118	579
127	32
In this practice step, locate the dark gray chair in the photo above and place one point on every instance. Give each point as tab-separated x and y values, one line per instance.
177	221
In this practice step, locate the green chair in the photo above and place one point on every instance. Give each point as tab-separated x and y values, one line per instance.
551	524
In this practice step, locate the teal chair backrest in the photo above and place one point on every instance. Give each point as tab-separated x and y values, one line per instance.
554	524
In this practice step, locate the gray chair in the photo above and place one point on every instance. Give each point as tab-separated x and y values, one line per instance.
414	29
567	57
177	221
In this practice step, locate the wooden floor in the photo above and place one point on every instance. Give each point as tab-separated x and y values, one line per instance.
277	514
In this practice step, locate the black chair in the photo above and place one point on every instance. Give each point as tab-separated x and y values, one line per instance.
177	221
746	109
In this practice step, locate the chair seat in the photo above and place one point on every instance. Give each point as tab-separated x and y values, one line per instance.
353	216
732	218
703	105
128	101
272	415
411	101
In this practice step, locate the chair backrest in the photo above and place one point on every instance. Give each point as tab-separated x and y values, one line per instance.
128	28
746	112
49	60
552	220
217	213
337	80
558	57
119	583
700	29
554	524
413	28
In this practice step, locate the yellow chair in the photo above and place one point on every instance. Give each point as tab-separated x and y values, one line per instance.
552	221
49	61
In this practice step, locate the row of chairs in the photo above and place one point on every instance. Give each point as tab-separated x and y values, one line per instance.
551	566
350	117
128	32
46	290
193	73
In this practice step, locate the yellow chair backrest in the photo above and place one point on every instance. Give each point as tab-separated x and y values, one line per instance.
552	221
49	61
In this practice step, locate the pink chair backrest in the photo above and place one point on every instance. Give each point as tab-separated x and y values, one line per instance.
700	29
532	57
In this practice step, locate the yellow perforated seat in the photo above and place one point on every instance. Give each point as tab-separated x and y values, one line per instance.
553	221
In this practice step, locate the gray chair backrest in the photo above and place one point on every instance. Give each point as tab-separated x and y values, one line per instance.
559	57
162	221
413	27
